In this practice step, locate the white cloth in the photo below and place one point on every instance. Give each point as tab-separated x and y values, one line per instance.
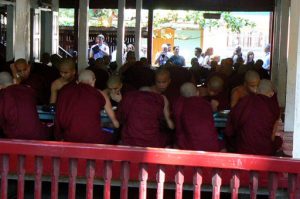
103	50
266	64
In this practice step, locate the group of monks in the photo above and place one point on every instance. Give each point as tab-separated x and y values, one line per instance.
165	107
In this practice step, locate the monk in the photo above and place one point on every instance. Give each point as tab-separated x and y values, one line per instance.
253	122
67	70
215	93
18	115
194	121
141	113
251	82
21	71
114	89
78	112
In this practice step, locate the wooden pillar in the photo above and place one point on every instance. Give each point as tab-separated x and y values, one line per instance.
22	29
120	32
83	34
76	28
292	113
279	58
10	34
150	36
138	28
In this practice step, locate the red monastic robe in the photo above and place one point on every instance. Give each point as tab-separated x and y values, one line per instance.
194	125
18	114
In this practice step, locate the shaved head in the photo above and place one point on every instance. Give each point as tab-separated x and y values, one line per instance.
145	88
251	76
265	87
87	77
215	83
68	63
5	79
252	79
114	81
188	90
162	79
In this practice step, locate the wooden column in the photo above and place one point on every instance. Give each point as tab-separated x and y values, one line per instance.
10	33
83	34
138	28
279	58
150	35
22	29
120	32
292	116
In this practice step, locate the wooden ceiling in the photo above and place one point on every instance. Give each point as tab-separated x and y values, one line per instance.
207	5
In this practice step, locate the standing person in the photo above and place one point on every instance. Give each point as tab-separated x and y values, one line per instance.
237	54
207	58
177	59
198	55
78	112
99	49
162	57
250	59
266	64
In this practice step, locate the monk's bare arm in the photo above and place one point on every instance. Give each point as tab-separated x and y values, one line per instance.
234	97
167	114
109	111
55	86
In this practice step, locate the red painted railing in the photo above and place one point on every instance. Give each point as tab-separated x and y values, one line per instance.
161	167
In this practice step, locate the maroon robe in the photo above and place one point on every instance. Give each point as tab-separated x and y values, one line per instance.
141	113
38	84
251	121
222	98
18	114
195	128
78	119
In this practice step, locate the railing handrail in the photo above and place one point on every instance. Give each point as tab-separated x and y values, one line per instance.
64	51
150	155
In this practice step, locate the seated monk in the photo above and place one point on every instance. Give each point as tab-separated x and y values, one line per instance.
215	93
21	71
141	113
67	70
78	112
251	82
18	115
114	89
195	129
253	120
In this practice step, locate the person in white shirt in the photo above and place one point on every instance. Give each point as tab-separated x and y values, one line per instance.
198	55
99	49
206	62
266	60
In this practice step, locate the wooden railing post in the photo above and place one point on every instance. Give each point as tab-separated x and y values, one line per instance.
253	184
197	182
273	185
55	177
107	178
4	173
143	177
90	175
124	180
38	177
216	183
160	179
234	185
292	185
21	173
72	178
179	179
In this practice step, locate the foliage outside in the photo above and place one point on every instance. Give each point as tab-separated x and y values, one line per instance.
108	17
